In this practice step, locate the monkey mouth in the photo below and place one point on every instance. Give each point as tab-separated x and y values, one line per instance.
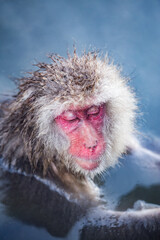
88	164
90	159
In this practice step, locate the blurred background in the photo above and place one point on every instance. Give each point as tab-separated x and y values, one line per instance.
128	30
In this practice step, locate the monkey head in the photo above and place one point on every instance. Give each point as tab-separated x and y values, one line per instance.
76	112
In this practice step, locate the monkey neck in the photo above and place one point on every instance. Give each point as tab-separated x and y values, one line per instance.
79	187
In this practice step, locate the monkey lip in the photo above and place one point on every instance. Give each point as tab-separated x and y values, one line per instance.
88	164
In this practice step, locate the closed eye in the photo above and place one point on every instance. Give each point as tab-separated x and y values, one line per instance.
69	116
72	120
94	110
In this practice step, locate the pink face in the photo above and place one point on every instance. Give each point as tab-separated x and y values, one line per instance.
84	129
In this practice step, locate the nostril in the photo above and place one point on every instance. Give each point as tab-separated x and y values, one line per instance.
95	145
89	146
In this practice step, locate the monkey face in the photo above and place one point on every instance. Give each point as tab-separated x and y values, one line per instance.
83	128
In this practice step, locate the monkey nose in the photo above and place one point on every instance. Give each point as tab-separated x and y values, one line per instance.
91	146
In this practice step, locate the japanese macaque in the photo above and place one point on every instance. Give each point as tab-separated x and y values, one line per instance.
74	115
70	121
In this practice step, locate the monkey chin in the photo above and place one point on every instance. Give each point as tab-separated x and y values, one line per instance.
88	164
89	160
